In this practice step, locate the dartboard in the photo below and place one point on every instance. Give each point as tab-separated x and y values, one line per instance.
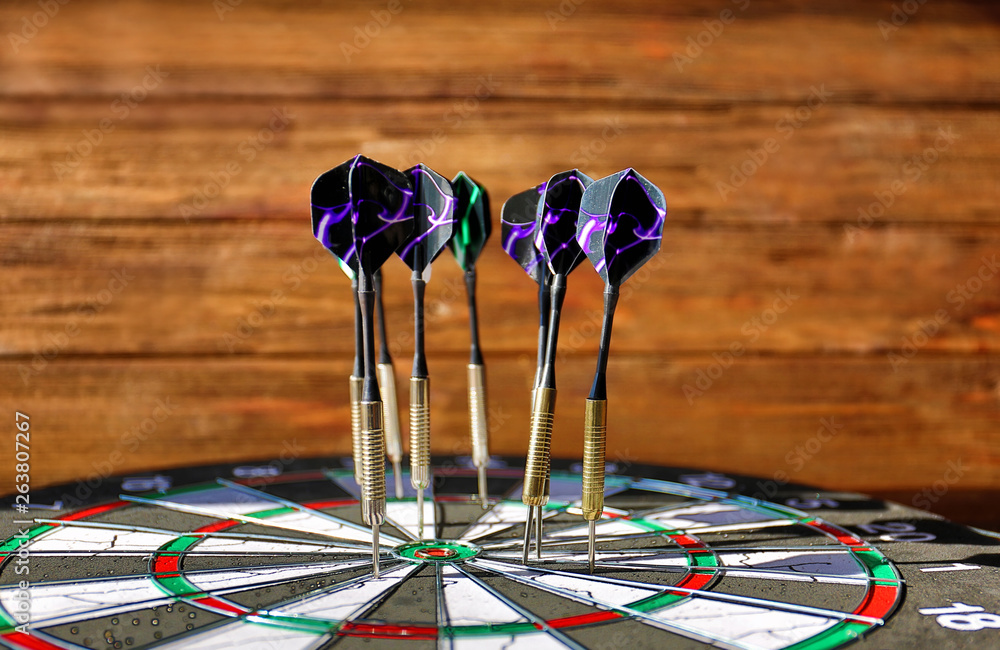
275	555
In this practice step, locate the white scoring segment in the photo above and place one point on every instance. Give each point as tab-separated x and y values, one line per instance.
106	541
704	518
52	604
586	588
229	580
309	523
630	560
349	600
704	617
503	516
531	641
713	517
403	515
829	566
235	546
228	503
466	602
746	626
605	528
221	500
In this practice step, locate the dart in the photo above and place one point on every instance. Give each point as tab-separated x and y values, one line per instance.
555	237
331	221
472	229
518	220
378	203
387	385
620	228
432	208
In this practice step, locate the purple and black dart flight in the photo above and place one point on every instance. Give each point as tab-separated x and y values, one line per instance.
472	228
555	237
518	219
330	201
432	209
378	203
620	228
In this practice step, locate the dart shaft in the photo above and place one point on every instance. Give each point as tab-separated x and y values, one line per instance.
544	304
595	426
356	386
420	432
372	464
387	386
475	352
599	390
536	470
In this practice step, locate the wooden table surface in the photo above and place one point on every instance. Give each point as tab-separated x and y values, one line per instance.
831	171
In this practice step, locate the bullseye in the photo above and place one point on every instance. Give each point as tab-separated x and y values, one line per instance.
436	551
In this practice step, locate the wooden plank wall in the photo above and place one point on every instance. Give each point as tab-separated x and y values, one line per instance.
831	171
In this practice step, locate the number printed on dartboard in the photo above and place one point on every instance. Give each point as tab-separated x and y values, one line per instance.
964	618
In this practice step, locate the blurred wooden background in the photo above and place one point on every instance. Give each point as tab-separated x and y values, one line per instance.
162	301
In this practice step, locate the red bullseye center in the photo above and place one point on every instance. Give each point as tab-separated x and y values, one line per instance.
435	553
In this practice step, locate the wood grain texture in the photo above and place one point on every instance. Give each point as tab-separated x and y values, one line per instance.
233	160
154	241
265	286
770	51
750	419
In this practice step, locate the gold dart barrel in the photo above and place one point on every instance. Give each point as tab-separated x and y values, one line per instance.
595	426
477	419
356	385
536	470
420	432
372	464
390	408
